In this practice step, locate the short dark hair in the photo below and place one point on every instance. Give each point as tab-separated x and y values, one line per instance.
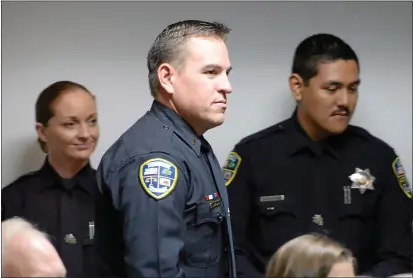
167	47
44	110
317	49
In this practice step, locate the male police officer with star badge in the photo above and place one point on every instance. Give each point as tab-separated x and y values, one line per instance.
163	210
316	173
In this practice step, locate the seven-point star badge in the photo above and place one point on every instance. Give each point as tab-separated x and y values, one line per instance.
362	179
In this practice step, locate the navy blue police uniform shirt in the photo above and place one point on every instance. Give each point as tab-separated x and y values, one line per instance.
163	208
351	187
62	208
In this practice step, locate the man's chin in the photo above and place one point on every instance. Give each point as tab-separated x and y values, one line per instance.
337	130
217	121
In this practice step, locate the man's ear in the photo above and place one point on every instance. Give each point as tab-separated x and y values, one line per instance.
296	84
166	75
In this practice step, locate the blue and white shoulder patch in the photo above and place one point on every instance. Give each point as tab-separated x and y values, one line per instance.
158	177
231	167
401	177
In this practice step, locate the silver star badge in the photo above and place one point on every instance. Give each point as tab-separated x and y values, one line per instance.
362	179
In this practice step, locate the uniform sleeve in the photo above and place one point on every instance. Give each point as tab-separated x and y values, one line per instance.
11	204
236	173
148	195
394	222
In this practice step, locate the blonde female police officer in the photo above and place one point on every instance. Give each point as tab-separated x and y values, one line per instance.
164	208
59	198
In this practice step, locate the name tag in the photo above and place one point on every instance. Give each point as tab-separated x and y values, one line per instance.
215	203
272	198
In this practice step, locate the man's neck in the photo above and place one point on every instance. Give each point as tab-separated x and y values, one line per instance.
168	103
310	127
66	168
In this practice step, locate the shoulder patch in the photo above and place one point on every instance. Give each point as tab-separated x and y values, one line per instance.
401	177
231	167
158	177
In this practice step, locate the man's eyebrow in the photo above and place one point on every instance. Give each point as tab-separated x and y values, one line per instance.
212	66
93	115
339	84
216	66
356	83
332	83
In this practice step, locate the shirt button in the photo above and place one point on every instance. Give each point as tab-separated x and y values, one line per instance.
166	127
219	217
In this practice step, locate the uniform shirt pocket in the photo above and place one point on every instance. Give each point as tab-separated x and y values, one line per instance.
277	223
87	242
203	240
359	212
89	258
277	209
354	220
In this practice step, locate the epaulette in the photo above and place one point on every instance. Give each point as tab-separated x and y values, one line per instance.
366	135
29	174
23	177
358	131
262	133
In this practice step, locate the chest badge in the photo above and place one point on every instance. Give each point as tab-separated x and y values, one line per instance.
318	219
362	180
70	239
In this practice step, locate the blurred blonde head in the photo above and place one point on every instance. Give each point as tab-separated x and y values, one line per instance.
311	256
27	252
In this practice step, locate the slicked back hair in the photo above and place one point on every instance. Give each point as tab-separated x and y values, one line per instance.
168	46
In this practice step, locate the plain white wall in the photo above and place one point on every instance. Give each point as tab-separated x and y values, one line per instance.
104	46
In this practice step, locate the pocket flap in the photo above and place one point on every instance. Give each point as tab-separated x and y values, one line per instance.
353	210
272	208
210	211
87	241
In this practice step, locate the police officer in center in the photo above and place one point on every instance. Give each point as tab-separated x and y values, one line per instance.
314	172
59	197
163	210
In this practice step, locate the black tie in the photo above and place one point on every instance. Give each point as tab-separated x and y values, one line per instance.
207	153
71	241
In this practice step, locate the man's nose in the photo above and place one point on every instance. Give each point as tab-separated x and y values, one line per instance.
225	86
343	98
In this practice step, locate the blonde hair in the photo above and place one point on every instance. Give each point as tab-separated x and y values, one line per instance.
310	255
19	240
15	226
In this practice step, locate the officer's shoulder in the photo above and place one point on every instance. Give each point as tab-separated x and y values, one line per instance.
362	135
266	133
146	135
20	182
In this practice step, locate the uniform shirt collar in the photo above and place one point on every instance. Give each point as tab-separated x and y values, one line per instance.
300	141
84	179
171	119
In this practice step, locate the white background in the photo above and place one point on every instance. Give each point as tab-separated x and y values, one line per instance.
104	46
